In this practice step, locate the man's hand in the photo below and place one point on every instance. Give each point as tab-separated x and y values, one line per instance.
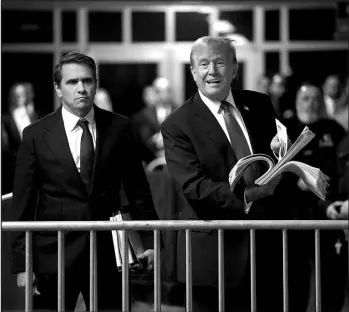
337	210
275	144
147	258
255	192
21	282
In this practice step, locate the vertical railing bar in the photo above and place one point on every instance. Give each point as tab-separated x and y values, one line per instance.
125	285
157	272
29	272
253	269
221	290
189	299
317	272
285	269
92	270
95	284
61	272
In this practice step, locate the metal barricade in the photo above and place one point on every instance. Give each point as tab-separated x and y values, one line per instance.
156	226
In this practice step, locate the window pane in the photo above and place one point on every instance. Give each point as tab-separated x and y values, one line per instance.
272	63
26	26
342	27
241	20
148	26
272	28
317	65
312	24
105	26
191	25
69	29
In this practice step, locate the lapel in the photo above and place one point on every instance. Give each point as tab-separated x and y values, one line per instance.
213	130
57	141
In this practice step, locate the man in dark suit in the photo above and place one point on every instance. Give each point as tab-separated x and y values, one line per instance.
19	115
201	149
71	165
147	121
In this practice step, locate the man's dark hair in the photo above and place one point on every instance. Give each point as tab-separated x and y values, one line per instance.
74	58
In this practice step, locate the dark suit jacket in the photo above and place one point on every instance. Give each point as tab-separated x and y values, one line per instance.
48	186
14	139
200	157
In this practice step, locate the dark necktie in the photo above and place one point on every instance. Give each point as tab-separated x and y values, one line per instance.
237	140
86	153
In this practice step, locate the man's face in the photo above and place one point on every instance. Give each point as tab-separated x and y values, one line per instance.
20	96
332	87
213	70
308	103
77	88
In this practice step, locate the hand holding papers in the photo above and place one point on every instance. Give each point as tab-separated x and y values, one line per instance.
313	178
135	245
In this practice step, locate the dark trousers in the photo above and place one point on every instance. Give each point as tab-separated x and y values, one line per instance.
77	279
206	298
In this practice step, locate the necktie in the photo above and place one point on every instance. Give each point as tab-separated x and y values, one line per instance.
86	153
237	140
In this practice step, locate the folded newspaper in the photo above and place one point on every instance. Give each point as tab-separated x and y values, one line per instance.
135	245
314	178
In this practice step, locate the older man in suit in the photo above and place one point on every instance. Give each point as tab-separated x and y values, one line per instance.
204	139
70	167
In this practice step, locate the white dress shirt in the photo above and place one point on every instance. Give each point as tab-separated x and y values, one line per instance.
214	108
330	105
21	119
74	132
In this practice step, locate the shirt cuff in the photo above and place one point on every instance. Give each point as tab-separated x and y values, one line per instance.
247	206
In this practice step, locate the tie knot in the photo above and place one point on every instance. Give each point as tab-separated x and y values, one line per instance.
83	123
225	107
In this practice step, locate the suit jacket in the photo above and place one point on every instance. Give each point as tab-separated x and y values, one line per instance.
14	137
48	187
200	157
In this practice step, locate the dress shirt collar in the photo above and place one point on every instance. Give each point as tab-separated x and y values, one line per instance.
215	105
70	120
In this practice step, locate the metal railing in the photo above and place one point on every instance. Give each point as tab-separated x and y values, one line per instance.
156	226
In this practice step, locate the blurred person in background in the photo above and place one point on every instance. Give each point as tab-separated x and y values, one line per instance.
18	116
70	167
158	105
263	85
31	107
8	161
332	92
320	153
338	210
341	113
281	98
200	150
102	99
21	113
